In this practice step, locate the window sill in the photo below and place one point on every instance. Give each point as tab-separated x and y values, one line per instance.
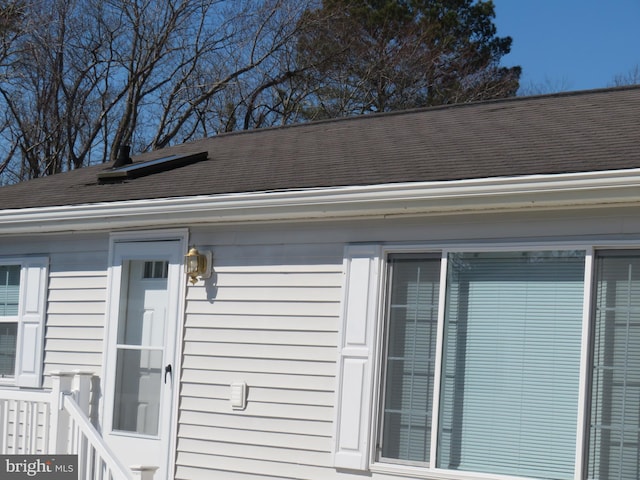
410	471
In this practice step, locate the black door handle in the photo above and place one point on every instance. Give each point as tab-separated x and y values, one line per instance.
167	371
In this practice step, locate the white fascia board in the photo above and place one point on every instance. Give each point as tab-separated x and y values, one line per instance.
460	196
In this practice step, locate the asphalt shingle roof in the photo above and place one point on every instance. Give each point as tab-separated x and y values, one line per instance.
563	133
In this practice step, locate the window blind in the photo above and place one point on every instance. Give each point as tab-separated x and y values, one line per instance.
615	388
511	363
9	290
8	341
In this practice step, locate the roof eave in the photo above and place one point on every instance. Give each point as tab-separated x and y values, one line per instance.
574	190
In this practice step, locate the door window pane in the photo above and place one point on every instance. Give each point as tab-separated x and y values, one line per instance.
411	344
138	389
158	269
615	386
511	363
143	306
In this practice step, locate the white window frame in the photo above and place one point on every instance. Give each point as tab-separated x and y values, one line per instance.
361	344
31	321
10	380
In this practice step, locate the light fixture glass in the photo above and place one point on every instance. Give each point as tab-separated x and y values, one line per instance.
197	265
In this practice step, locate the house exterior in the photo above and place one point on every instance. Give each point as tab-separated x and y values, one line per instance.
445	293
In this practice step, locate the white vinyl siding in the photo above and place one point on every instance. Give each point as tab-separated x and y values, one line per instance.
284	291
274	326
75	318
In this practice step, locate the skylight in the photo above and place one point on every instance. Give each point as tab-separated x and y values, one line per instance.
141	169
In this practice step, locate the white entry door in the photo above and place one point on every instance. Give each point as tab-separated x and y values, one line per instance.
146	286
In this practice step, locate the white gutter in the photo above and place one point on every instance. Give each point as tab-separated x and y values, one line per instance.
463	196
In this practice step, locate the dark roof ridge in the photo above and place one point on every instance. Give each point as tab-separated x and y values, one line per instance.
433	108
142	156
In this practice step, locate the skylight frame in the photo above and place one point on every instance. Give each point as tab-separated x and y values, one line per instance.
149	167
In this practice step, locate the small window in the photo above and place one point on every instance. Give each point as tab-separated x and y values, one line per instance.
156	269
9	303
9	290
23	289
614	445
412	312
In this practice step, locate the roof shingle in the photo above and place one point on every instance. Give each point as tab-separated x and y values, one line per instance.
563	133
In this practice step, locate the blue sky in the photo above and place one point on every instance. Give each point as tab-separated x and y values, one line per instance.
570	44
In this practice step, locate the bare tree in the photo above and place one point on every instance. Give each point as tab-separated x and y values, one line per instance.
49	90
213	96
632	77
548	86
12	17
89	75
79	78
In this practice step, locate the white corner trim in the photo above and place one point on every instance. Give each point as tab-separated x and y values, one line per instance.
459	196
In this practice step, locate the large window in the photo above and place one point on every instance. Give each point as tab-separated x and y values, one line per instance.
523	364
510	368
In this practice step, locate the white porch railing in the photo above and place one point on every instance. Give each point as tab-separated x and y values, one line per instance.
57	421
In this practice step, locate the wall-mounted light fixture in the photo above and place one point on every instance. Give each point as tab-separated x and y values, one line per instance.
197	265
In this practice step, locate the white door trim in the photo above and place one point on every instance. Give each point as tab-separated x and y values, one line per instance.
181	236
